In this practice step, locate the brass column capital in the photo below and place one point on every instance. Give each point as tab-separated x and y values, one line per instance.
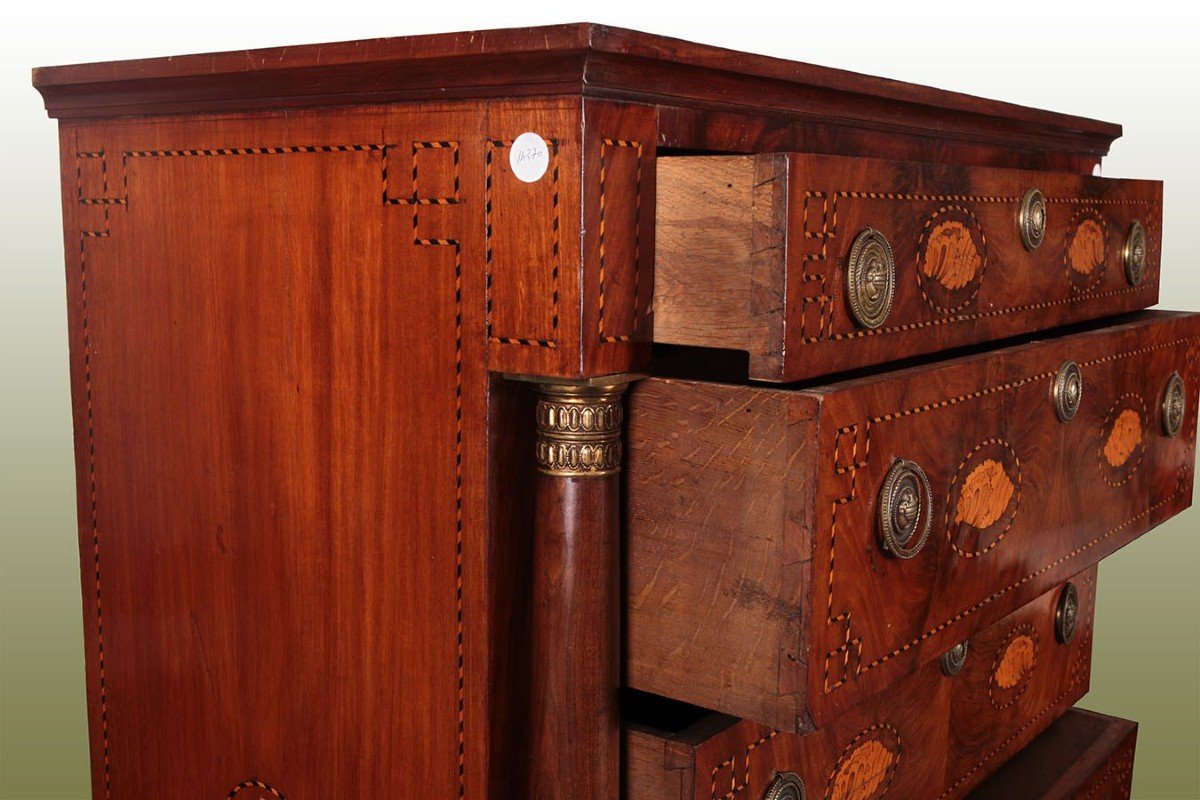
579	428
579	424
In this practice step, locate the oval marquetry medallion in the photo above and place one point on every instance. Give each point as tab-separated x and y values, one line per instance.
1086	254
1013	666
951	258
1016	662
867	766
986	493
1123	440
984	498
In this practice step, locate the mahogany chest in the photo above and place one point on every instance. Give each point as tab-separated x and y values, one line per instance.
572	412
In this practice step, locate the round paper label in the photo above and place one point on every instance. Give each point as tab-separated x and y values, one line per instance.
529	157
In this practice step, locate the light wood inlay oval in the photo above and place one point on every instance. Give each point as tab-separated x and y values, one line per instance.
1016	662
986	493
863	771
952	259
1086	252
1124	439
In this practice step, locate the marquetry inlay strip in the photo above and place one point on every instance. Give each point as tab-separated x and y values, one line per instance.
605	335
550	340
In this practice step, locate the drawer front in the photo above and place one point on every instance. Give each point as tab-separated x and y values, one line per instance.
1082	756
755	515
768	254
933	735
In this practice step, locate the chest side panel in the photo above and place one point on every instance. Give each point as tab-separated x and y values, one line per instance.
278	335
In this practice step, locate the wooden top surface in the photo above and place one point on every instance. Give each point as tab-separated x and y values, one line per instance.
582	58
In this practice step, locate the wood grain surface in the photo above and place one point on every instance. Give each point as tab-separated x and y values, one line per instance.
929	735
281	497
281	331
752	513
595	61
752	255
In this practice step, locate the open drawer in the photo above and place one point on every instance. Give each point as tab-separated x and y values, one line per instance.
1082	756
791	552
814	264
938	733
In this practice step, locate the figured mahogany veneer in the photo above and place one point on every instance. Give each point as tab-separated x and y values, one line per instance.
756	582
752	254
1081	756
928	736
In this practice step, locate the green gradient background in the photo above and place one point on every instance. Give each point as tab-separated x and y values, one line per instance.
1133	64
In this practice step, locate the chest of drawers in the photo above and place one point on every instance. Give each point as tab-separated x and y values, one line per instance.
352	328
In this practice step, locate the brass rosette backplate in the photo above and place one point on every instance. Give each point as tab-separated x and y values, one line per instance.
1067	391
1066	614
1133	254
905	510
954	658
1031	219
1174	405
870	278
786	786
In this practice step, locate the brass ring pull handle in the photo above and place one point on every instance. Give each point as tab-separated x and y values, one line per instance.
1066	614
870	278
1133	254
905	510
1067	391
1174	405
1031	220
786	786
954	658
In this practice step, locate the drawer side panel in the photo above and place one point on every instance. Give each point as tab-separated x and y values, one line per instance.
708	469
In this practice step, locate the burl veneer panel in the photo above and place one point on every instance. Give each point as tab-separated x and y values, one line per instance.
1082	756
756	583
753	252
929	736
